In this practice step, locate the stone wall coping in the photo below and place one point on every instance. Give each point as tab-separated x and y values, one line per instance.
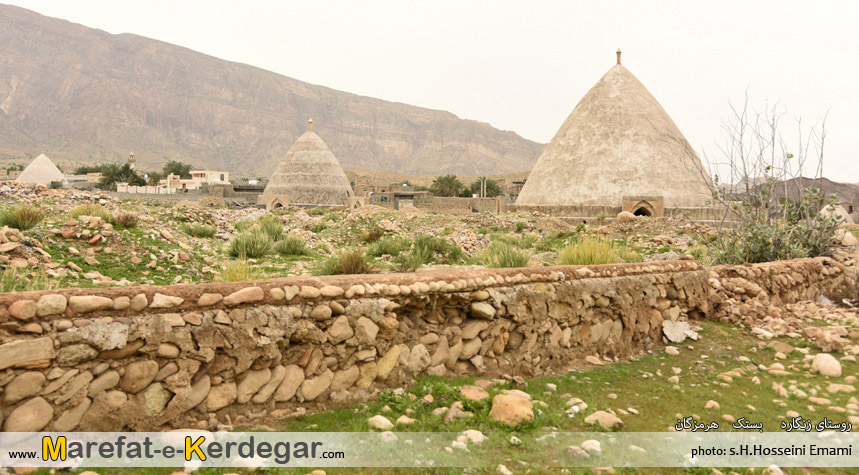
232	294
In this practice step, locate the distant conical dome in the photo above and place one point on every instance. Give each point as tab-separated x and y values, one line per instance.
617	142
41	171
309	174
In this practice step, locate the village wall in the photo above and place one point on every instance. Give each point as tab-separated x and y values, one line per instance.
592	214
151	358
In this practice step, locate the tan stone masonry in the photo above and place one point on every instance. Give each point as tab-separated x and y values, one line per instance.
154	358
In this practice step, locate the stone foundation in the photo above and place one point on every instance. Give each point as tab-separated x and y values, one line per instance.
153	358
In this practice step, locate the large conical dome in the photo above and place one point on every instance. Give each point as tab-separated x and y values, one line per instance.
41	171
617	142
309	174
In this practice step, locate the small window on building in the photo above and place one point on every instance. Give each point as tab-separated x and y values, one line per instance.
222	177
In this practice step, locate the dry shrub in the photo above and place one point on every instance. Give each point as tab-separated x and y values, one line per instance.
125	219
351	261
22	217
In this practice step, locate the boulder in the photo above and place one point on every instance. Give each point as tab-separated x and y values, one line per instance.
312	388
386	363
155	399
248	294
677	332
482	310
138	375
252	382
23	386
419	359
263	395
165	301
344	379
32	416
606	420
380	422
292	380
625	217
473	393
221	396
70	419
340	330
23	309
89	303
826	365
51	304
511	409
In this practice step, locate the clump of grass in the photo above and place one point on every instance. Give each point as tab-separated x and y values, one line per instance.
13	279
350	261
557	239
391	246
700	254
243	225
318	211
125	219
250	245
501	255
427	249
91	209
520	226
332	216
236	271
272	226
589	251
198	230
291	246
373	234
525	241
630	255
318	228
22	217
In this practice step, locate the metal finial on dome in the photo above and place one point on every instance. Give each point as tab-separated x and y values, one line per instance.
310	124
618	56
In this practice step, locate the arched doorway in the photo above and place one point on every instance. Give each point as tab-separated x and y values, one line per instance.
642	212
643	208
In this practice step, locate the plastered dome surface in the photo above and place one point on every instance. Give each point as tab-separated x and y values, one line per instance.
309	174
618	141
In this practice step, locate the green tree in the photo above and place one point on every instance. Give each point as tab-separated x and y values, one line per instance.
112	173
177	168
154	177
492	187
447	185
84	169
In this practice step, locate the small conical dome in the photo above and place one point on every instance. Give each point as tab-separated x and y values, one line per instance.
617	142
309	174
41	171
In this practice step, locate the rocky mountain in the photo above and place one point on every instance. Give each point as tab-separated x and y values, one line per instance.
82	95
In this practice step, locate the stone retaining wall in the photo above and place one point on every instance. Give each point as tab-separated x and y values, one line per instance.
151	358
736	287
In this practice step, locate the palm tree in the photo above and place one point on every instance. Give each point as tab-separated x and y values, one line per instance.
492	189
447	185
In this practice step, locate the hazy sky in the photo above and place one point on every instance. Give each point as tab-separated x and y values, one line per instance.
523	66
